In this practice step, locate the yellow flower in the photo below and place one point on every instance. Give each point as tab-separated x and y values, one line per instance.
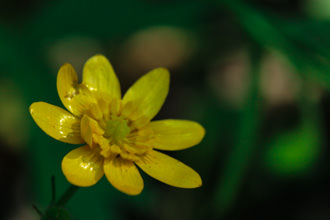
118	131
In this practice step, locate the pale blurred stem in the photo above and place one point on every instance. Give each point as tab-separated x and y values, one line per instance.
67	195
239	159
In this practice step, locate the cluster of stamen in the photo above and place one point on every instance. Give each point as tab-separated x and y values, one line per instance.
116	130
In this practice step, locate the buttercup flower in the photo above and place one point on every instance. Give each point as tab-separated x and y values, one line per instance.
118	132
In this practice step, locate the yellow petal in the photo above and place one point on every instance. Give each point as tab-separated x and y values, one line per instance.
176	134
56	122
149	92
89	127
74	97
169	170
123	175
82	166
98	75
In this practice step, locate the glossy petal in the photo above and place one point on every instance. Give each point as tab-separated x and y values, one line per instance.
82	166
123	175
176	134
74	97
89	127
169	170
149	92
98	75
56	122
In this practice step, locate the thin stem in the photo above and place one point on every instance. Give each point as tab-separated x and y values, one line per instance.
67	195
37	210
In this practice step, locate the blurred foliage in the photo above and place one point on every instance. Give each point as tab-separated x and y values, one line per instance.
293	152
242	141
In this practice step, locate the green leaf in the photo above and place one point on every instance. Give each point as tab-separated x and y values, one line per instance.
293	153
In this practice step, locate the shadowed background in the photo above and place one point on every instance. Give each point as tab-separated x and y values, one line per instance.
255	74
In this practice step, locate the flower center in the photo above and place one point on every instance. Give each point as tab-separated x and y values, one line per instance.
116	129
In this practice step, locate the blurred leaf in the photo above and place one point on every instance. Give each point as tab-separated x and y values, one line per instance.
306	34
317	8
309	47
306	48
239	159
293	152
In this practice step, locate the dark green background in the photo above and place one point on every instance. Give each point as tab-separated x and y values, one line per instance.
259	159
